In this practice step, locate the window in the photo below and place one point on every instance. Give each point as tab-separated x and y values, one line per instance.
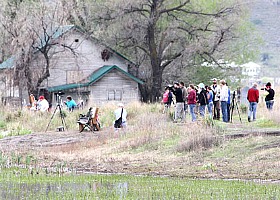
74	76
114	95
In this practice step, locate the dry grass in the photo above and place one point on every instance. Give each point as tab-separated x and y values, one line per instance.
150	142
200	141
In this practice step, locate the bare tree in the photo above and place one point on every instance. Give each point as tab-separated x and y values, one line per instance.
35	30
161	33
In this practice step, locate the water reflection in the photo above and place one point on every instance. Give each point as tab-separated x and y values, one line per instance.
46	190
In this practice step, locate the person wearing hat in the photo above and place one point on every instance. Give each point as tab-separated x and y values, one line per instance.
42	104
269	99
202	99
224	99
216	99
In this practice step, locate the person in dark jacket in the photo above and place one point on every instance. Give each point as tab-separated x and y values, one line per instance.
269	99
253	98
202	99
179	111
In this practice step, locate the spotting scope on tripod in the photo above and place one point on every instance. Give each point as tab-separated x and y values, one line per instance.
233	105
62	117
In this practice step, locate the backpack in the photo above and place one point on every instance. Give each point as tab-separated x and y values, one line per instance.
165	97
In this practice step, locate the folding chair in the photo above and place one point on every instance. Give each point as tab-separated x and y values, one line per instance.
85	122
90	120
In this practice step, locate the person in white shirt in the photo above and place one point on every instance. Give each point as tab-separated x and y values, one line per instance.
216	99
121	112
224	99
42	104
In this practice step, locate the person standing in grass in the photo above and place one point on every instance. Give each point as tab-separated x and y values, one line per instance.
167	99
202	99
228	104
192	101
224	99
253	98
269	98
121	113
216	99
185	96
179	111
210	101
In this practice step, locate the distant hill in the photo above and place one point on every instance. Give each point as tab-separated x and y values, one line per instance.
265	14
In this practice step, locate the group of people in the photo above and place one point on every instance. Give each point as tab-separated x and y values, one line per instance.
253	98
216	99
43	105
213	98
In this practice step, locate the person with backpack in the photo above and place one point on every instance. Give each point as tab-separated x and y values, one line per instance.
167	99
120	116
202	99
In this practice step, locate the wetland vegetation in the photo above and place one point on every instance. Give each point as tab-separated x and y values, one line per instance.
152	159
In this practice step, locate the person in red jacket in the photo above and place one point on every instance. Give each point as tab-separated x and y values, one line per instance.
253	98
192	101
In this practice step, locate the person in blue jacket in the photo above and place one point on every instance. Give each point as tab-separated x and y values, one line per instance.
70	103
228	104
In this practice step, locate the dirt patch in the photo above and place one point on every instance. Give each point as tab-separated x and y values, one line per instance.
44	139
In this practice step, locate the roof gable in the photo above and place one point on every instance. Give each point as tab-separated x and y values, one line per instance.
94	77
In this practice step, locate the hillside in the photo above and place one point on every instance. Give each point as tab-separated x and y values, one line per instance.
265	14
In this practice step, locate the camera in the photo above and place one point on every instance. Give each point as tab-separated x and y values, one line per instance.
58	97
170	87
60	93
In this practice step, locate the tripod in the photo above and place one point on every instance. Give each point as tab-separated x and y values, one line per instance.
61	116
234	103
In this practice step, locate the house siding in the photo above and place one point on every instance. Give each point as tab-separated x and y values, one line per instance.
88	60
114	81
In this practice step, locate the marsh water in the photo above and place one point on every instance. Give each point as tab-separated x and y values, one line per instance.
15	187
49	190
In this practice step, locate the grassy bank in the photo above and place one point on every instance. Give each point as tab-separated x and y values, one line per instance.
151	145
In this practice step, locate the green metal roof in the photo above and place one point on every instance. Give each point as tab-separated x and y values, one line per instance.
65	87
95	76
